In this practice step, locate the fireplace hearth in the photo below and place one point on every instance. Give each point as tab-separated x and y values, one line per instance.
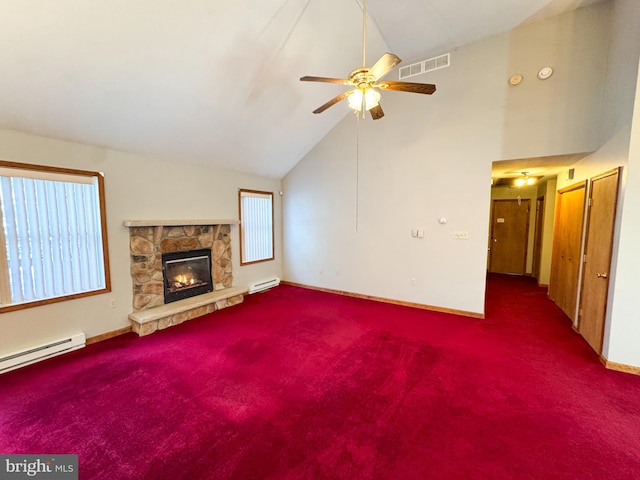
186	274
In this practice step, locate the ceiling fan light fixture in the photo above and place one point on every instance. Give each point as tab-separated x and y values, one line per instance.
370	98
355	100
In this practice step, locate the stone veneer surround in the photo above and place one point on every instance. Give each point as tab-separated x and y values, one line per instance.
149	242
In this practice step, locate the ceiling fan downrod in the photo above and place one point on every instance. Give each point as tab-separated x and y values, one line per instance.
364	33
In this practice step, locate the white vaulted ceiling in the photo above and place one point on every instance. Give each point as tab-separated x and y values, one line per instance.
215	81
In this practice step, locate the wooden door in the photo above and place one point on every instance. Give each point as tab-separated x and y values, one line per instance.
603	198
509	234
567	243
537	238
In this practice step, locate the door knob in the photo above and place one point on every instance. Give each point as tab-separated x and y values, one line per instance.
602	275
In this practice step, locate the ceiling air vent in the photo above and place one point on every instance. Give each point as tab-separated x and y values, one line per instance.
428	65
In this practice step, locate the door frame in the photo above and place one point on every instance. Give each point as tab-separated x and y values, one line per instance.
538	226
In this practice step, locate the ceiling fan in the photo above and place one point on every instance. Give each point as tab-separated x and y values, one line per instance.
366	80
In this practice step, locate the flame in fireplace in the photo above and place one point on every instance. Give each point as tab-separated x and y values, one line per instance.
185	280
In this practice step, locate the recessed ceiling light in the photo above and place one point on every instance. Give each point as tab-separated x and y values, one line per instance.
545	73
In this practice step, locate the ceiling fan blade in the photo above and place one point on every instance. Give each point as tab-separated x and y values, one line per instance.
332	102
376	112
308	78
425	88
384	65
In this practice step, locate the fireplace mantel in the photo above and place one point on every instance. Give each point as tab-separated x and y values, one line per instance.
175	223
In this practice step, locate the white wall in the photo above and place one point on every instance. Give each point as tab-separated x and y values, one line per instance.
622	50
622	68
430	157
136	188
622	335
620	147
561	114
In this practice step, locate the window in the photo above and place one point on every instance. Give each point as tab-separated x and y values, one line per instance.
256	226
53	240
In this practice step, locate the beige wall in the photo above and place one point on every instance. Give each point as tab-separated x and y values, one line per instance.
430	157
622	333
136	188
348	211
620	139
549	192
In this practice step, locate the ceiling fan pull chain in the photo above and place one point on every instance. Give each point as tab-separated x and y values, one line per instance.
357	171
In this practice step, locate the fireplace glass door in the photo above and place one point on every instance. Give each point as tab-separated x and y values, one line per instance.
186	274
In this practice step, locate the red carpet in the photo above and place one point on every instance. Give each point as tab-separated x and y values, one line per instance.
298	384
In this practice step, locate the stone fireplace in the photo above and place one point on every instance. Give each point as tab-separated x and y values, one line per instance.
159	302
148	244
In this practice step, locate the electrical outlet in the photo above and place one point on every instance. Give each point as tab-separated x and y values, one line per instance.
413	282
113	303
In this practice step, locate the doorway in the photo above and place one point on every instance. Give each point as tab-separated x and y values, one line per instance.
509	236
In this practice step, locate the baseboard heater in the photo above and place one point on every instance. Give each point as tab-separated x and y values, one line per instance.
41	352
264	285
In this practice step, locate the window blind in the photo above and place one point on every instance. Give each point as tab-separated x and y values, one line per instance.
53	237
256	214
